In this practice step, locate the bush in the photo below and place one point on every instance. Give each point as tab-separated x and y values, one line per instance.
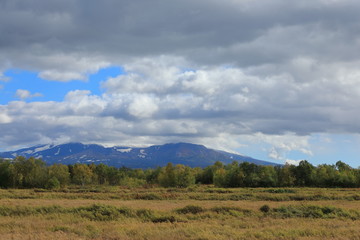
315	212
190	209
148	196
280	190
145	214
27	211
219	190
132	182
165	219
233	211
99	212
265	208
52	183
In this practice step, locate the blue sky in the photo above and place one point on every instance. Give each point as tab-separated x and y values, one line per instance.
238	76
51	90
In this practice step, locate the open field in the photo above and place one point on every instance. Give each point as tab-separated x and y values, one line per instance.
200	212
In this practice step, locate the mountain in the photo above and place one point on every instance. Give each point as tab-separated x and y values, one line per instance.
159	155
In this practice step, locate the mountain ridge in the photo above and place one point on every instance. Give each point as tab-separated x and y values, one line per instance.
189	154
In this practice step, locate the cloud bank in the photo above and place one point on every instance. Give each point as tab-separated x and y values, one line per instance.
220	74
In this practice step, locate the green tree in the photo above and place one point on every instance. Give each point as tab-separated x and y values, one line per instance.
152	175
82	174
251	172
167	176
326	175
184	176
286	177
207	175
61	173
234	175
115	175
305	174
6	174
29	172
102	172
342	167
220	178
268	177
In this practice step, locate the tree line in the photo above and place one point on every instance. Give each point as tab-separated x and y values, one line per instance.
34	173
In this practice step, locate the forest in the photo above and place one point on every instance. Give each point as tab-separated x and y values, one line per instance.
34	173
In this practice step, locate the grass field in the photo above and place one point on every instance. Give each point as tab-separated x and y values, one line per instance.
200	212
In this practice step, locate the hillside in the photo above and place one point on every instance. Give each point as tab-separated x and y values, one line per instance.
192	155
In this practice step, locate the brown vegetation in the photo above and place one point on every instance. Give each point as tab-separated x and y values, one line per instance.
201	212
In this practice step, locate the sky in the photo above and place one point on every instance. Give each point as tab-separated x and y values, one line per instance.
276	80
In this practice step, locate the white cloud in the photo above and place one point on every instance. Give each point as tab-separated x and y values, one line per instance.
143	106
223	104
293	162
25	94
5	118
81	102
3	78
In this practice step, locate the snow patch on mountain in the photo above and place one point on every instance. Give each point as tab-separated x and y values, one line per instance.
58	151
126	150
43	148
28	152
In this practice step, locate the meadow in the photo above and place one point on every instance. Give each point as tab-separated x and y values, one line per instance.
196	212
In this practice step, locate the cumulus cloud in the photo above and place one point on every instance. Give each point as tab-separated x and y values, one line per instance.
25	94
292	162
198	71
143	106
212	105
4	118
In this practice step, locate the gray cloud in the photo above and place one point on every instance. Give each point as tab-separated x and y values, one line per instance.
195	70
244	33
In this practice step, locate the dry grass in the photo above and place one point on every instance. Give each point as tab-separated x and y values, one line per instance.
241	220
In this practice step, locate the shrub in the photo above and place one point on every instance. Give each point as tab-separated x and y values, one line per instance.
280	190
219	190
233	211
314	212
190	209
99	212
132	182
145	214
27	211
162	219
265	208
148	196
52	183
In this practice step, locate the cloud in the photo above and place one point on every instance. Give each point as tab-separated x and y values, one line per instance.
5	118
67	67
142	107
211	105
197	71
66	41
25	94
3	78
292	162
